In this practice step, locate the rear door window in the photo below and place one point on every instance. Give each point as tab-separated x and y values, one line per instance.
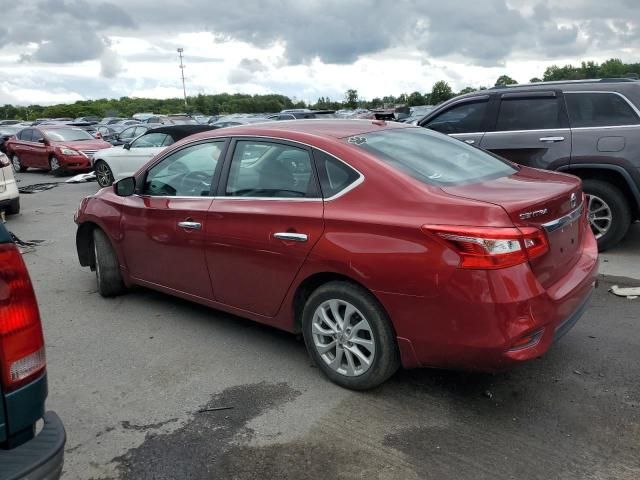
535	113
599	109
467	117
431	158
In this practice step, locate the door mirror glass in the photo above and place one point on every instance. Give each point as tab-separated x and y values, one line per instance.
125	187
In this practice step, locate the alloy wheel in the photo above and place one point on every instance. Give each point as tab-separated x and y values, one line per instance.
54	164
15	162
600	216
103	174
343	338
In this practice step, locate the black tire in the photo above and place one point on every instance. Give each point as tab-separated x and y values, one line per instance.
107	268
17	164
104	175
14	207
386	360
620	211
54	167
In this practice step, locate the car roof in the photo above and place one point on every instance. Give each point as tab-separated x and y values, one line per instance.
307	128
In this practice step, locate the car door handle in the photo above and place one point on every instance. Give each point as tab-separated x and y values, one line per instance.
292	237
189	225
552	139
469	141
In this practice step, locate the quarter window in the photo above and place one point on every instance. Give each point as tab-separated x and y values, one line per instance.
265	169
464	118
185	173
599	110
335	175
540	113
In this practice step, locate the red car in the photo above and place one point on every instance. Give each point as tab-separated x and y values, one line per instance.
384	244
58	148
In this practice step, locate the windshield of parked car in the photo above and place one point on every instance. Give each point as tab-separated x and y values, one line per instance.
68	135
432	158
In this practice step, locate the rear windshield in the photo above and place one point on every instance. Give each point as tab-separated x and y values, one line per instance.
431	157
68	134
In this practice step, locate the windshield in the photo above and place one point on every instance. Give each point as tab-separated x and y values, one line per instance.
432	158
68	135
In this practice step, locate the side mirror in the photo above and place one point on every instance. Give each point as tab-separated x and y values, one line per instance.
42	140
125	187
127	146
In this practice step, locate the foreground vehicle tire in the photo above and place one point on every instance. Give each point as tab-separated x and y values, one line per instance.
104	176
609	212
17	164
55	167
14	207
108	274
349	336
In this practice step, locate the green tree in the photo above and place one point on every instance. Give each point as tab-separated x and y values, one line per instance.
440	92
466	90
351	98
416	98
535	80
505	80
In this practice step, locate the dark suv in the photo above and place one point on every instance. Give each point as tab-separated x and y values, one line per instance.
589	128
25	453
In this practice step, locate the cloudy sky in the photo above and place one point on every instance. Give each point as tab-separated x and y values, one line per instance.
55	51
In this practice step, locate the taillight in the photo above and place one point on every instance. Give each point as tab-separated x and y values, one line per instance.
491	247
22	354
4	160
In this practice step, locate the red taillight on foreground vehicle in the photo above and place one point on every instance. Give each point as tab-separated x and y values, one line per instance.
22	354
491	247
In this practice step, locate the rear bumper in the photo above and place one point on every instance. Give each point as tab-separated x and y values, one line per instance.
41	458
491	320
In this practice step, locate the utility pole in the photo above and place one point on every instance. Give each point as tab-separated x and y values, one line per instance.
182	67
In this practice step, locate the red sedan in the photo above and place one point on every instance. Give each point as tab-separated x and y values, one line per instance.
57	148
384	244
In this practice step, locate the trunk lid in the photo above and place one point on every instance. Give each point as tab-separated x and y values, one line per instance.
538	198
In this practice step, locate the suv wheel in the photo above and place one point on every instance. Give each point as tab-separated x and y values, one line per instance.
349	336
108	275
609	212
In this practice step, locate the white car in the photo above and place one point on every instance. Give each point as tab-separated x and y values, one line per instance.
9	195
112	164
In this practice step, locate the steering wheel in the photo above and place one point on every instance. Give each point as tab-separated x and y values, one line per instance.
195	183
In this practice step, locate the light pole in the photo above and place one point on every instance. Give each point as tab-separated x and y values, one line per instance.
182	67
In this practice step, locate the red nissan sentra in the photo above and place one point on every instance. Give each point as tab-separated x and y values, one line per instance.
384	244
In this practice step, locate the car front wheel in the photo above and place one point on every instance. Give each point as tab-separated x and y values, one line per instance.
17	164
107	267
349	336
54	166
104	176
609	212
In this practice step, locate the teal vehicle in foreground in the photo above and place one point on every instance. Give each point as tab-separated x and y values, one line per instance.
25	451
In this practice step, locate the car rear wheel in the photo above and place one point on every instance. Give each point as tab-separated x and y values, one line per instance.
54	166
104	176
349	336
609	212
107	268
17	164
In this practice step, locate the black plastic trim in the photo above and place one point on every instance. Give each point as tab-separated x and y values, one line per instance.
635	189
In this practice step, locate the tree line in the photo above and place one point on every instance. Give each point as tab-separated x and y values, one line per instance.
225	103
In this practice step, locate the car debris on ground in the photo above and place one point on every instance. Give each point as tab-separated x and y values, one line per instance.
631	293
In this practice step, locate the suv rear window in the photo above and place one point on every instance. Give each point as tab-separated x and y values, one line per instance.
432	158
599	109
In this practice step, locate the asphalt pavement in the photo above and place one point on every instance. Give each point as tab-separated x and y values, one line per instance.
152	387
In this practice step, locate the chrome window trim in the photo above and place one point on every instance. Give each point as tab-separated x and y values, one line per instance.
563	221
633	107
470	133
562	129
